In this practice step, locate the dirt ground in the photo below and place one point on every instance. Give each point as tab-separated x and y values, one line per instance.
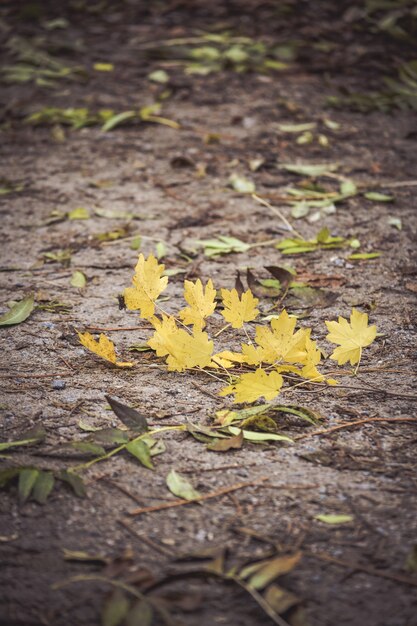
175	183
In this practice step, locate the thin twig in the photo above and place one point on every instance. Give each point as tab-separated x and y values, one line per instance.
207	392
207	496
369	420
147	540
278	213
54	375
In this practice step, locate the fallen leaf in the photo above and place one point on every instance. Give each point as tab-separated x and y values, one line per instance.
130	417
159	76
140	450
43	487
254	385
103	67
314	170
115	609
202	303
239	309
334	520
116	120
241	184
80	213
141	614
258	437
148	284
103	348
181	487
182	349
89	448
279	599
364	256
272	569
396	222
78	280
74	481
223	245
223	445
27	480
18	313
378	197
350	337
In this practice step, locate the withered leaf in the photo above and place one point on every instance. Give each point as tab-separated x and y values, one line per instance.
281	274
128	415
223	445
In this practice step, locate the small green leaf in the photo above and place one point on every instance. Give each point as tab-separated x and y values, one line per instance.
27	479
140	450
358	256
396	222
160	250
116	120
300	411
257	437
223	245
103	67
297	128
80	213
111	214
348	188
181	487
159	76
313	170
91	449
7	475
241	184
111	435
19	312
141	614
75	481
115	609
136	243
78	280
43	487
378	197
334	519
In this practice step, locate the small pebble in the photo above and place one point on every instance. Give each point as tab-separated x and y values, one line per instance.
58	385
49	325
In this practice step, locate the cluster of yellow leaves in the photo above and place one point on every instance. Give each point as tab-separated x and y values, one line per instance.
277	348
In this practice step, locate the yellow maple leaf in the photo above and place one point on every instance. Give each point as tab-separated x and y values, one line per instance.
238	310
104	347
350	337
202	303
277	343
252	386
182	349
148	284
312	359
227	359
